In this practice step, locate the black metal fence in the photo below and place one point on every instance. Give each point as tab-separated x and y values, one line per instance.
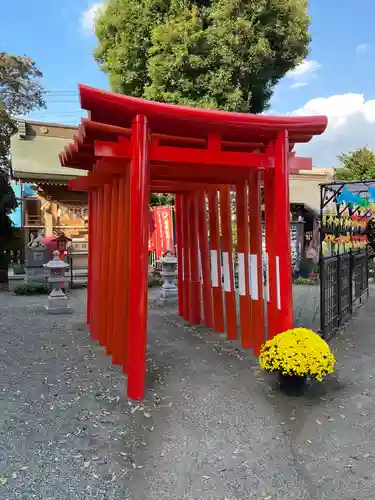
78	275
360	291
344	288
8	258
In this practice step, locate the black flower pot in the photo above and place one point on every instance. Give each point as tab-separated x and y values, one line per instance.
293	385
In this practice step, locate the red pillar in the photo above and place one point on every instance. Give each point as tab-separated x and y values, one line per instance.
272	305
256	271
282	235
98	232
195	284
90	238
228	264
126	284
205	259
121	327
179	255
94	250
186	256
138	272
217	291
111	303
243	264
104	290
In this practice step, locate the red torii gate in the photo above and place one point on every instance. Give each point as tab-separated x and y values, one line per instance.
131	147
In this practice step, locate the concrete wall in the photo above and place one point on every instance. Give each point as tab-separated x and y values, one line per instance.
304	186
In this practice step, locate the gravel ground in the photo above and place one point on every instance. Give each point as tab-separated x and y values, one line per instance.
212	427
306	302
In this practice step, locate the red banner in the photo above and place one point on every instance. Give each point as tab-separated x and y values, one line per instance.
161	239
152	233
152	242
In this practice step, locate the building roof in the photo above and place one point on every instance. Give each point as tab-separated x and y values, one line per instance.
35	148
58	127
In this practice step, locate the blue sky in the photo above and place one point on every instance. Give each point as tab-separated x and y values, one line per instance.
336	79
343	44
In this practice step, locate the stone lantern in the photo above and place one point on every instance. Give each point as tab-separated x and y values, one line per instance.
57	300
168	293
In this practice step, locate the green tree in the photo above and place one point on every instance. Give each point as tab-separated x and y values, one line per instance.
224	54
161	199
357	165
20	93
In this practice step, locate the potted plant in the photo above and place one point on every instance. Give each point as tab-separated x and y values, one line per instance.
297	355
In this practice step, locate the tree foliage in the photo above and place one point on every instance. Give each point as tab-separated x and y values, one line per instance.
357	165
161	199
20	93
224	54
7	204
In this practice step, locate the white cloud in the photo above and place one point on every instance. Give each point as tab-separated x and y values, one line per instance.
362	47
90	15
298	85
303	73
351	125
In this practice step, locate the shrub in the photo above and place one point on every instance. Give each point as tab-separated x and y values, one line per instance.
305	281
33	289
298	352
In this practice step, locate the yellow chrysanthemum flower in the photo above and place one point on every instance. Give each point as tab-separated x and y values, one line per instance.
298	352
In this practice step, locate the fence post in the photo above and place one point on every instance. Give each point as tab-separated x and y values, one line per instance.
337	289
351	281
321	265
367	272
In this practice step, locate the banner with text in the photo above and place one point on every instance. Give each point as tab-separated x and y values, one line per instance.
152	233
162	238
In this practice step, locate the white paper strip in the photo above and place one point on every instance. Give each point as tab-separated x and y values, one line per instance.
278	282
241	274
254	276
266	285
214	273
226	272
249	271
200	261
200	265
